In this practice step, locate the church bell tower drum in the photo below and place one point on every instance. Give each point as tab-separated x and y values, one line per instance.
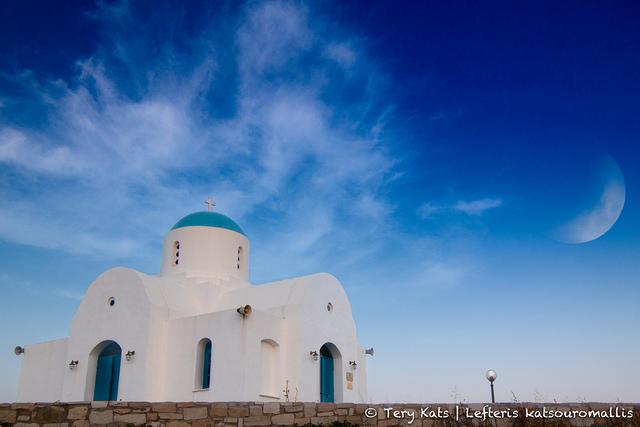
206	244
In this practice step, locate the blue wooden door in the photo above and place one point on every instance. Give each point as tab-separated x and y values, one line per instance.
326	375
108	373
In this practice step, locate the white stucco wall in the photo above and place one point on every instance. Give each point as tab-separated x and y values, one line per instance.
42	373
235	357
163	318
206	251
127	322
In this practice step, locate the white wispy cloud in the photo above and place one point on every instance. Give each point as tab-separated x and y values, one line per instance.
64	293
442	274
477	207
467	207
133	140
428	209
341	53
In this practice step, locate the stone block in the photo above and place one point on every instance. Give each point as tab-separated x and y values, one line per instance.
238	411
152	416
135	419
310	410
78	413
271	408
99	404
55	425
255	410
101	417
293	408
506	422
302	421
23	418
218	410
178	424
169	416
81	423
8	416
360	408
164	407
195	413
26	425
325	407
354	419
369	421
49	414
27	406
261	420
283	419
202	423
324	420
139	404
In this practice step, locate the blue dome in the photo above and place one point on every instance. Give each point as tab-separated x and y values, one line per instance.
208	219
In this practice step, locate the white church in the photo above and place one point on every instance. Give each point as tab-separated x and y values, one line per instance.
199	331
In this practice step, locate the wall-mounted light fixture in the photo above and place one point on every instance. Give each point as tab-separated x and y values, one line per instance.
244	310
369	351
73	364
353	364
313	354
129	355
18	350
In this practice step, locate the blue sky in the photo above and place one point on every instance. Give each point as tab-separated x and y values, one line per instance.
425	153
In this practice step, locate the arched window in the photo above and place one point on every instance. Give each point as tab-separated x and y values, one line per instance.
239	257
203	364
176	250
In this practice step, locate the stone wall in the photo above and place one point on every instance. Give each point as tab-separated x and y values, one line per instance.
249	414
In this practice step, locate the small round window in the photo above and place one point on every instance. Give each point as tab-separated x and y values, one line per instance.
111	301
329	306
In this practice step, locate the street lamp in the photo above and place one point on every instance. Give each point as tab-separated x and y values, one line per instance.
491	376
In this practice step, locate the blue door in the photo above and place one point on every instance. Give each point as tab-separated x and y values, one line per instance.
108	373
326	375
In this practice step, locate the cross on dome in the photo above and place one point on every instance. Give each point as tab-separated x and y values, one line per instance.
210	204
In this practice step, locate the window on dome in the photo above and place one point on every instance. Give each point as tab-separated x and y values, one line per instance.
176	250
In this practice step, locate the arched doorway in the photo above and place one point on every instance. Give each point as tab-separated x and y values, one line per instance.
108	372
326	375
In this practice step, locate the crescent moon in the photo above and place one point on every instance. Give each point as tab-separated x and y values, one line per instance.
594	222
